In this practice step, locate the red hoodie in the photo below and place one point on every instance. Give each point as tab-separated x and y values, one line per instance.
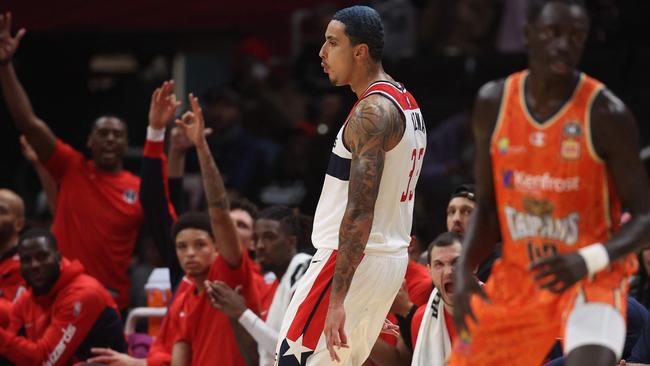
11	281
56	324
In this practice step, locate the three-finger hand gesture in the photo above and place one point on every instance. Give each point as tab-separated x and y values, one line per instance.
192	122
8	44
163	105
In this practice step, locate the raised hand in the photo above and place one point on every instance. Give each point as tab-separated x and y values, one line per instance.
163	105
8	44
179	142
192	122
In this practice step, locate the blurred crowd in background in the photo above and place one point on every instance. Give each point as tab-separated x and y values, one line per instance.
273	112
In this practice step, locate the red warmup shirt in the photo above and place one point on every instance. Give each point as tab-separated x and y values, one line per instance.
208	330
160	353
56	323
419	284
5	312
98	217
11	281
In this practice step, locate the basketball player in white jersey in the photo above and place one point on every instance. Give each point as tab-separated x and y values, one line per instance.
363	219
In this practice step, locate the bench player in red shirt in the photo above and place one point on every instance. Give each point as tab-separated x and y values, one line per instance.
557	155
98	213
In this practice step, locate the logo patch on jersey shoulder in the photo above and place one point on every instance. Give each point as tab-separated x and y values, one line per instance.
503	144
76	309
572	129
130	196
538	139
570	149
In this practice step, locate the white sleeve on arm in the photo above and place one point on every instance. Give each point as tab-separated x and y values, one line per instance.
265	336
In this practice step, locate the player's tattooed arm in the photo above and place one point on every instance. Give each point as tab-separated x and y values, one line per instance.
375	127
38	134
227	240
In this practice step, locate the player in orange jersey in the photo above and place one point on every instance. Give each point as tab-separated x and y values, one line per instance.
556	150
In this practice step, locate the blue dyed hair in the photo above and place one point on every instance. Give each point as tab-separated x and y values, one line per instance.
363	25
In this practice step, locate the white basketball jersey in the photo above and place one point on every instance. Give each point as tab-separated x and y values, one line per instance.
393	216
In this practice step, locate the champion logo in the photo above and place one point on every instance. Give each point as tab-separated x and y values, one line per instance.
538	139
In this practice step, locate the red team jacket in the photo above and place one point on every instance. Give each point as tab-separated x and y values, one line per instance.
56	324
11	281
11	284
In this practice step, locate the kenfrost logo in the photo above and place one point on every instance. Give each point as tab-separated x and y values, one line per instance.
539	182
68	333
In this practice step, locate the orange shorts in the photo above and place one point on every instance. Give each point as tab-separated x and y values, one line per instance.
521	322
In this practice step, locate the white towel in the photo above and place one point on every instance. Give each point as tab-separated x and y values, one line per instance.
433	345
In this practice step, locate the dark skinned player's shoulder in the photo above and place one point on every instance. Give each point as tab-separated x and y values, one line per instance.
486	105
612	124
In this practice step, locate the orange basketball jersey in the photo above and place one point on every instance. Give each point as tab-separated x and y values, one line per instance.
553	192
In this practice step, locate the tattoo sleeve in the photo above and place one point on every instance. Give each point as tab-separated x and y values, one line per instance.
374	128
215	191
226	238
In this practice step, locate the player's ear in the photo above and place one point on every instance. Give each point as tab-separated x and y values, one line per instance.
361	51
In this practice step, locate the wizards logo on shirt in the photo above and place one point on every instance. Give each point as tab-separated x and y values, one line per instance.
130	196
